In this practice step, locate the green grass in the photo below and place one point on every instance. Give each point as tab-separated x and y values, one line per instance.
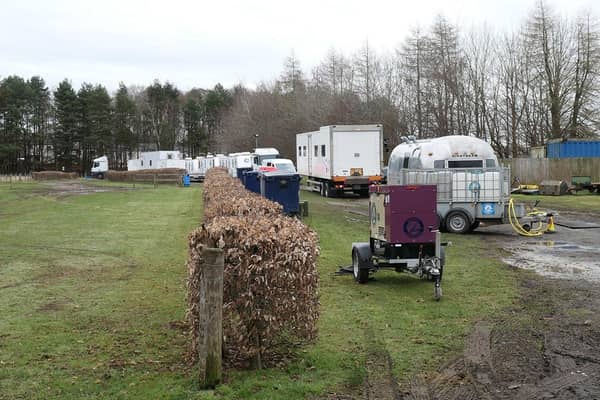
91	285
582	201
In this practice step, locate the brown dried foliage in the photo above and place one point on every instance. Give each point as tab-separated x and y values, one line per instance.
53	175
270	278
146	175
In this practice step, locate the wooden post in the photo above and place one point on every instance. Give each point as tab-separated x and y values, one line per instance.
211	318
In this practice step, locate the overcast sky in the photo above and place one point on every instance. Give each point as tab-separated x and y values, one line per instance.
199	43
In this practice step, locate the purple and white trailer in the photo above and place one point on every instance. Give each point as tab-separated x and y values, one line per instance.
404	234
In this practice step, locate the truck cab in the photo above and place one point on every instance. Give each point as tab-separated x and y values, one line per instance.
99	167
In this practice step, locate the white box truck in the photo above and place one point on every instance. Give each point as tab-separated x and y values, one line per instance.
341	158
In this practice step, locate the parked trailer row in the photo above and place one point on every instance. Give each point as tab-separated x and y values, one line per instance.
235	163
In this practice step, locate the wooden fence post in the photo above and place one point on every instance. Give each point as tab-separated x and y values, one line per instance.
210	336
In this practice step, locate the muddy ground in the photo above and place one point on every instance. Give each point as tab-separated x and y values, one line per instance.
547	346
63	188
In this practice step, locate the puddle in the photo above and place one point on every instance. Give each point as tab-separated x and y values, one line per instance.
556	259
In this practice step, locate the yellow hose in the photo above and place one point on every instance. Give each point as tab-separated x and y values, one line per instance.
514	222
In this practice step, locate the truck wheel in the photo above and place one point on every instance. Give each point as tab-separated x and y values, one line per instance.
457	222
361	275
326	190
100	176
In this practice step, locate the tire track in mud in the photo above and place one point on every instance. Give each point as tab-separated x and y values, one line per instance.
547	347
380	382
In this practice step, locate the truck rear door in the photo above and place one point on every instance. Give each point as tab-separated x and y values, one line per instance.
356	152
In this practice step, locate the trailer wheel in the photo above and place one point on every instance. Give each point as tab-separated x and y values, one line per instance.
457	222
361	275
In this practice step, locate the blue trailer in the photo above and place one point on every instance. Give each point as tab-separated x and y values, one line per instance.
282	188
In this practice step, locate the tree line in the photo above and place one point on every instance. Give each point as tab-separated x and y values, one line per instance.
66	129
514	89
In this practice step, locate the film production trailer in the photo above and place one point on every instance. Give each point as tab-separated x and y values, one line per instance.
157	160
238	163
471	186
341	158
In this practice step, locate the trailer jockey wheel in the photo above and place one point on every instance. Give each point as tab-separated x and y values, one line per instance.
457	222
361	275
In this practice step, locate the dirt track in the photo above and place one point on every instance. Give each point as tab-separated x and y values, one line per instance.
548	345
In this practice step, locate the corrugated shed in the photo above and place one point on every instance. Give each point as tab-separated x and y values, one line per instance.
574	149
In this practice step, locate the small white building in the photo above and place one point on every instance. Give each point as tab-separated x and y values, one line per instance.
157	160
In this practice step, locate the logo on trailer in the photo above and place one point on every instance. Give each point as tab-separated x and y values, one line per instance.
488	208
413	227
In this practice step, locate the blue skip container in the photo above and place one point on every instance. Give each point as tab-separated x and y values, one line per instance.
240	173
252	181
283	188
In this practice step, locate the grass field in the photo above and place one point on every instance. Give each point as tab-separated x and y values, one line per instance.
92	287
92	291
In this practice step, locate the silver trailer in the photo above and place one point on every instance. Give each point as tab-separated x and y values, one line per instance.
471	185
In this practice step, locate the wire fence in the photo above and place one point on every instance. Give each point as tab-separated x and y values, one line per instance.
14	178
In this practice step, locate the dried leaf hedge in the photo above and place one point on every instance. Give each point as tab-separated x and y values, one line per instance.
53	175
146	175
270	277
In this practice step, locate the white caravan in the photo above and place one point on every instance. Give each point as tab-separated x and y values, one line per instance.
157	160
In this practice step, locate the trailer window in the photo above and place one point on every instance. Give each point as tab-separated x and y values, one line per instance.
316	151
150	162
490	163
439	164
465	164
322	150
405	161
142	163
304	151
299	151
